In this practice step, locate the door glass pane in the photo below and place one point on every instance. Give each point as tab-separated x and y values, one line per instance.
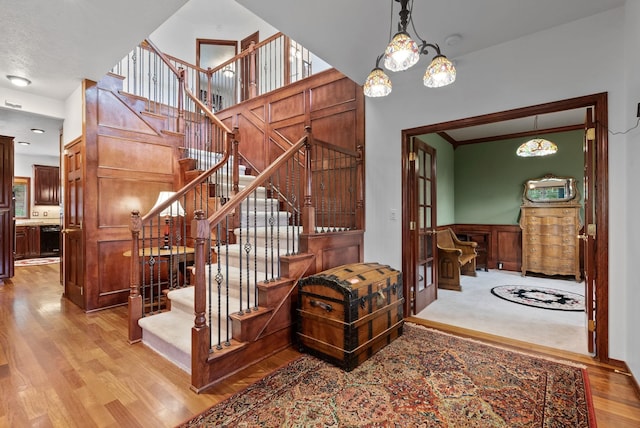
427	165
421	217
427	219
421	186
429	246
421	249
428	278
421	277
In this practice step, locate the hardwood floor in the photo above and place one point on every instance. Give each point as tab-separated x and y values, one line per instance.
65	368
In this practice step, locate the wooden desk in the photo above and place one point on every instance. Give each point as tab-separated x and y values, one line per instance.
482	239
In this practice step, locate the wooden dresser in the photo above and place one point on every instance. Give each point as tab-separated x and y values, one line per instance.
550	243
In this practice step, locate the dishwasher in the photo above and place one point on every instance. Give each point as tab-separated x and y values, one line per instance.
50	240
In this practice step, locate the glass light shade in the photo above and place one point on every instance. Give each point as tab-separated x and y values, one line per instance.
377	84
173	210
440	72
536	147
401	53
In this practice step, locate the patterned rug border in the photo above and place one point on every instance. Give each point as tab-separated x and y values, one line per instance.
538	288
582	367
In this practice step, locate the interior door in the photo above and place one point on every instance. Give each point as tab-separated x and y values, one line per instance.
425	285
73	239
588	237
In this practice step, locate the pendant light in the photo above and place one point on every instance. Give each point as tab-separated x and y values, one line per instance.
536	146
403	52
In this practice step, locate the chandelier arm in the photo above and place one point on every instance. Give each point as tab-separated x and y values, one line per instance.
424	45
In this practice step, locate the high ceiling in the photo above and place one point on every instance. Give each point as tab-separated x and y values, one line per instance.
56	43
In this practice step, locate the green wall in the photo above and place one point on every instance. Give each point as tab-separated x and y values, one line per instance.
489	177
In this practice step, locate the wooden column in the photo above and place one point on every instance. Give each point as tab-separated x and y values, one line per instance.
200	333
135	299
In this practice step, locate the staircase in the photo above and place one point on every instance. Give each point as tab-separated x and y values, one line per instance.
263	237
250	232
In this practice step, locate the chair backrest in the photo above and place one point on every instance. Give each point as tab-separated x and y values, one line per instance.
445	239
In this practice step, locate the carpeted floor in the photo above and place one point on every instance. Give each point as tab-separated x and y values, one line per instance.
476	308
424	378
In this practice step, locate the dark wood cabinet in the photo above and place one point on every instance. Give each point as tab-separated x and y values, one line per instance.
6	207
27	242
46	185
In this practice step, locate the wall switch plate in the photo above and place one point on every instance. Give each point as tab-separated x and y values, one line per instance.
393	215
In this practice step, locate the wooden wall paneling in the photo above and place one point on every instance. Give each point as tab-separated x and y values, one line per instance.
508	245
113	288
504	243
111	113
332	93
127	162
334	249
285	108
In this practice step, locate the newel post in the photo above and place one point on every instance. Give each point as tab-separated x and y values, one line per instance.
308	210
200	337
253	87
135	299
182	82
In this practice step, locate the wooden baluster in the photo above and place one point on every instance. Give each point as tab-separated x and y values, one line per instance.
253	87
135	299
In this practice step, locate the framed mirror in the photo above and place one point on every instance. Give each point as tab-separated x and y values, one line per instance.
550	189
22	196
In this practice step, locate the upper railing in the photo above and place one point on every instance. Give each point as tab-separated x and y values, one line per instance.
263	67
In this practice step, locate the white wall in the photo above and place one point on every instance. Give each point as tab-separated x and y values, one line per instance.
177	36
631	296
556	64
73	116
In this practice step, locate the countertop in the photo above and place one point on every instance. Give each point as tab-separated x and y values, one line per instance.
37	221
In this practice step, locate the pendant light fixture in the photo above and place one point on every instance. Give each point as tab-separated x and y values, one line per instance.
536	146
402	53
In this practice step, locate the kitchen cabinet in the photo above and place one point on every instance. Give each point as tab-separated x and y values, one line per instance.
27	242
46	185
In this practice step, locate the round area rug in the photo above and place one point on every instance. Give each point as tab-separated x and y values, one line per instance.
540	297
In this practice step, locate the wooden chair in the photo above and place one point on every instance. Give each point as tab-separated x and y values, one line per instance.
455	257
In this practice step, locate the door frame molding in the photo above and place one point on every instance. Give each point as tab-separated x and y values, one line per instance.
599	103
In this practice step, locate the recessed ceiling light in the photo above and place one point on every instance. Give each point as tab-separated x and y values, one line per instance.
18	81
37	131
24	143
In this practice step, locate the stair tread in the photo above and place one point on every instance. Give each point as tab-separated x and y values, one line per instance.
171	327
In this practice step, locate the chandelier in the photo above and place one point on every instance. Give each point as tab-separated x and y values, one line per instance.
536	146
402	53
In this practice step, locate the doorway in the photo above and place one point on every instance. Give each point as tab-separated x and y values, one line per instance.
598	254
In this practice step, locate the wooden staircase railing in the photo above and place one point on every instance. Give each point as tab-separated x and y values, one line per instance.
242	310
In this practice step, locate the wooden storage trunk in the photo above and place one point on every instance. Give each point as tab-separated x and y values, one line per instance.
348	313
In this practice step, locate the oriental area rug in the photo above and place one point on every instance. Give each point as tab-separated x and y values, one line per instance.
424	378
540	297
